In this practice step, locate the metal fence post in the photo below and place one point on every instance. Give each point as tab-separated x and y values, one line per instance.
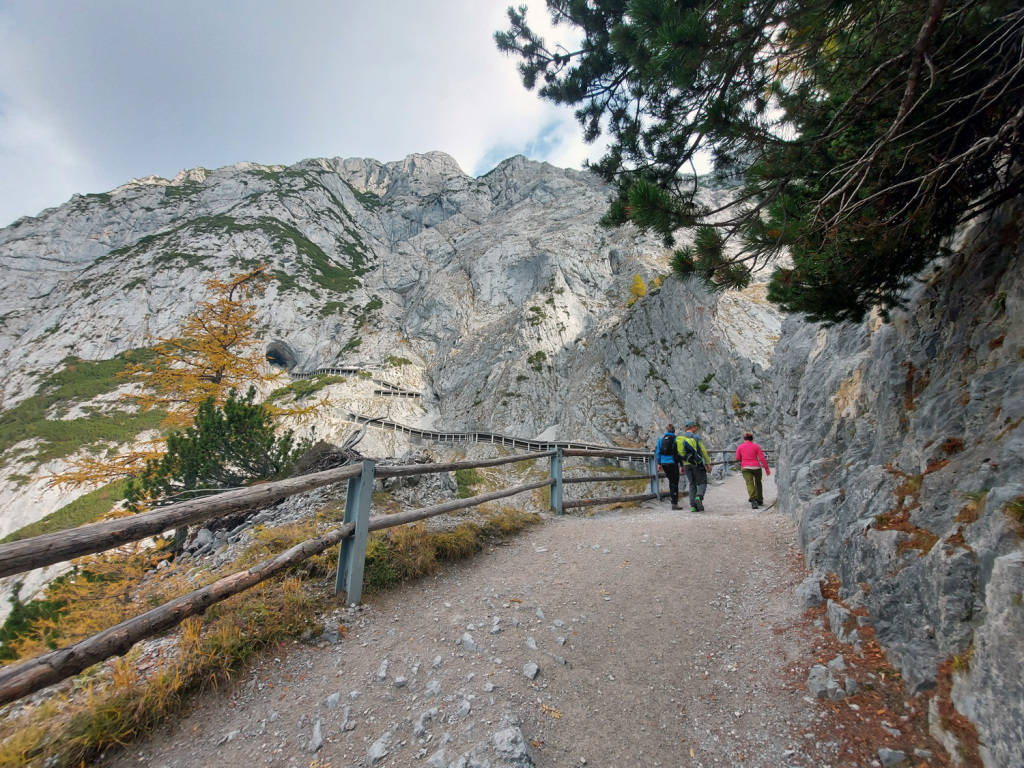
352	556
556	487
652	470
725	463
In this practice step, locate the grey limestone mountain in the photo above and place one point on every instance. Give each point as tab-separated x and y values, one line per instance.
505	301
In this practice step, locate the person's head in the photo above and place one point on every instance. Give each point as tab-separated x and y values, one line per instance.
670	428
748	435
691	426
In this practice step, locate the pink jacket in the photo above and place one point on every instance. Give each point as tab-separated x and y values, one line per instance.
749	454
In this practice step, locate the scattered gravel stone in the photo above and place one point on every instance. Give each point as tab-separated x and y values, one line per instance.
530	670
228	737
420	728
540	613
317	741
511	747
332	701
436	662
464	709
432	688
401	682
379	749
809	591
531	644
382	671
837	664
890	757
468	644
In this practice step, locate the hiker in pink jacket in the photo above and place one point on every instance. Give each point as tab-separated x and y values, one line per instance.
751	459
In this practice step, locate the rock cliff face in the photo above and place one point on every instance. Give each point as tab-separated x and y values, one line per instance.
508	300
903	462
502	302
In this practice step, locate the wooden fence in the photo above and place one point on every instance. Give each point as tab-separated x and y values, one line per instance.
22	679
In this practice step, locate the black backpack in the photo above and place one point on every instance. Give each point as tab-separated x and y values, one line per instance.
668	446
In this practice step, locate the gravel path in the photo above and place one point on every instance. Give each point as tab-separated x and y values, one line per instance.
660	638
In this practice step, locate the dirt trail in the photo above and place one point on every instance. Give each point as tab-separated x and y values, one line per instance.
683	645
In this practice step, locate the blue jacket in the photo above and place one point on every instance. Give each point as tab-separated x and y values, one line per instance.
668	458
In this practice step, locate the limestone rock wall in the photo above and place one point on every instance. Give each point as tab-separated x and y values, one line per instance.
903	463
500	299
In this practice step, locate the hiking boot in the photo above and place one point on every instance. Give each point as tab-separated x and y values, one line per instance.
693	508
753	505
699	503
676	506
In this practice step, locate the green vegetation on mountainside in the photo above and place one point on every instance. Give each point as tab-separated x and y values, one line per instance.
88	508
300	389
78	382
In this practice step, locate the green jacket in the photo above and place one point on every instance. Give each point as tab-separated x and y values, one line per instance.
696	444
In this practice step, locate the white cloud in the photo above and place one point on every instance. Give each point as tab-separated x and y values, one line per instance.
92	94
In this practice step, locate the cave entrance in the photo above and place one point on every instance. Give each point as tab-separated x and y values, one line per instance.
281	355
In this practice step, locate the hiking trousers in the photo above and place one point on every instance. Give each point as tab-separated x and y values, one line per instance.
697	477
753	477
672	473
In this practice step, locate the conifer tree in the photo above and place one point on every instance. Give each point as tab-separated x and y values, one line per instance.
215	352
225	447
862	133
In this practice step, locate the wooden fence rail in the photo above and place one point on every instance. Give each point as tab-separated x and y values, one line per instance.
50	548
30	676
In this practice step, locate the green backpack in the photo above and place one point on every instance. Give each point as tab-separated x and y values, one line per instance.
691	452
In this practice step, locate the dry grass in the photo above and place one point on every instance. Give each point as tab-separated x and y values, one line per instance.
1015	510
396	555
118	704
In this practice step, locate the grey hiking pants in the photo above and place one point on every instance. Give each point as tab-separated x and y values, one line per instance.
697	477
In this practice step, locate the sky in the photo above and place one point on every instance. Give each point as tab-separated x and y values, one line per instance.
95	93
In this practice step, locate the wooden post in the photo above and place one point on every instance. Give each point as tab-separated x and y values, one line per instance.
352	555
556	486
652	469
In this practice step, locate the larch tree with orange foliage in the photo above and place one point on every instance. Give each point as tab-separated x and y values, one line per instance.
217	351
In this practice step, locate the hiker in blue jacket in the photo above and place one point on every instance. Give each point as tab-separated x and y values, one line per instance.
668	458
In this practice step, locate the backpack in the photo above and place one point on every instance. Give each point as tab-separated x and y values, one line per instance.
691	453
667	449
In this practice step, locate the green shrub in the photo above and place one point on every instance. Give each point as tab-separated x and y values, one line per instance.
465	479
300	389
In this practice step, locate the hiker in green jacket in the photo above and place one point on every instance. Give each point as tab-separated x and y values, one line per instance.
695	462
